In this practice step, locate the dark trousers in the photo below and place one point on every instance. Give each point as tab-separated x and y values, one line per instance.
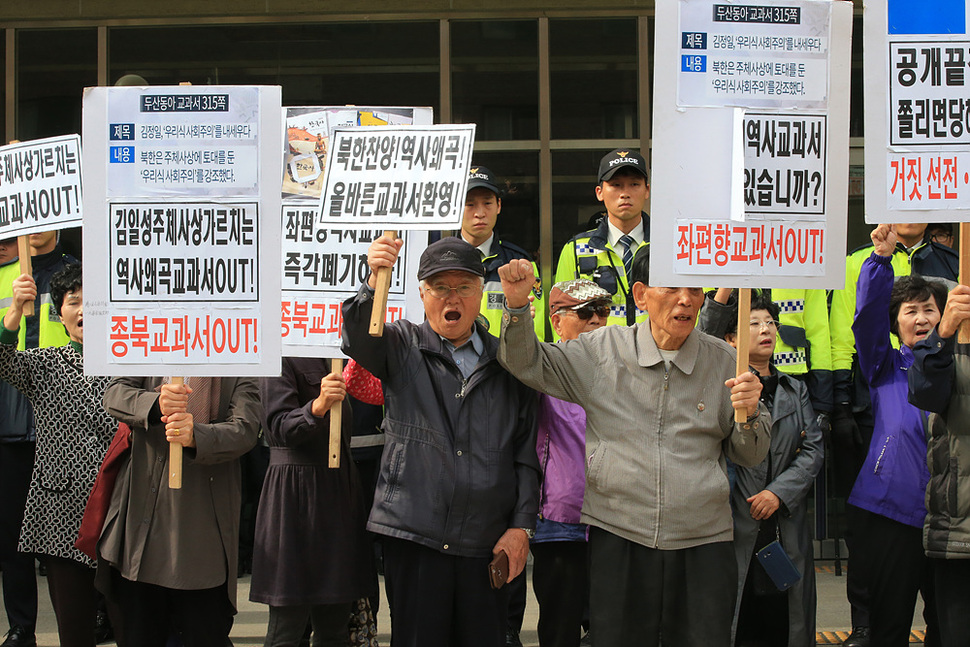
847	461
898	571
638	594
560	578
75	602
200	618
287	625
19	577
952	581
518	593
440	600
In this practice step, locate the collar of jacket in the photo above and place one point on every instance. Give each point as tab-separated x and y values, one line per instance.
601	234
648	354
429	340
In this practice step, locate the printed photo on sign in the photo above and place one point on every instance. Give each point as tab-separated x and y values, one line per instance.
769	54
40	186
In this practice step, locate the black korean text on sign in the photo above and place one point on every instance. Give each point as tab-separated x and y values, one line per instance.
39	184
184	252
929	102
784	170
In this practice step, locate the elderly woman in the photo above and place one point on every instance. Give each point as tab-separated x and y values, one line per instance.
891	486
73	434
769	500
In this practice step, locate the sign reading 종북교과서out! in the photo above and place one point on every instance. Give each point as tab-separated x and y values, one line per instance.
185	203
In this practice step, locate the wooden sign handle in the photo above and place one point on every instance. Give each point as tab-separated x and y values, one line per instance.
744	342
175	456
23	249
963	333
379	313
336	418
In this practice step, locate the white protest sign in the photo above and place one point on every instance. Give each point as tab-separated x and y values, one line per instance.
189	282
794	178
40	186
397	177
917	156
765	54
325	265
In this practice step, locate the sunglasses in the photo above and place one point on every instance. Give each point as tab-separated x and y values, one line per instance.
586	312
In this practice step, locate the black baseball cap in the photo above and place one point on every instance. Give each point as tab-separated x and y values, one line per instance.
621	158
450	254
480	177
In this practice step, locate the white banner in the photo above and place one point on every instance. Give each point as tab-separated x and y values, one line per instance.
40	186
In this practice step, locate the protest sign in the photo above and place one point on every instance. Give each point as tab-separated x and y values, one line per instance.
397	177
917	154
40	186
784	159
323	265
184	202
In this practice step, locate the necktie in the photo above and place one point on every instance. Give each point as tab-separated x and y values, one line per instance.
627	242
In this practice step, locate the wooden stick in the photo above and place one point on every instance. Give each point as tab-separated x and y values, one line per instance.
744	342
175	456
963	333
379	313
336	409
23	247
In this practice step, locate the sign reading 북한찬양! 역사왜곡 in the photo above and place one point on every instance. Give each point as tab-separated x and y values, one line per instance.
185	203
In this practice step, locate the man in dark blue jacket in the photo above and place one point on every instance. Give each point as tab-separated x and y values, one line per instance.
459	478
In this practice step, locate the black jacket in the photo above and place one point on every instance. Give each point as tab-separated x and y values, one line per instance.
459	465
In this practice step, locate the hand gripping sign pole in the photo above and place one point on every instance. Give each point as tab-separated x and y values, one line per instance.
337	366
744	342
379	313
175	456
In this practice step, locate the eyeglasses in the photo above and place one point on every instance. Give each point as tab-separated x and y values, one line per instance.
442	291
586	312
758	325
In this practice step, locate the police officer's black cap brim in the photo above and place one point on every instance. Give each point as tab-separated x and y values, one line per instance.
481	184
610	173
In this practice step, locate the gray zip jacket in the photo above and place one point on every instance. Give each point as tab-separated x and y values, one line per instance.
459	465
656	438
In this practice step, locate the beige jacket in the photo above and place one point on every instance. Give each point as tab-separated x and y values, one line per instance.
656	439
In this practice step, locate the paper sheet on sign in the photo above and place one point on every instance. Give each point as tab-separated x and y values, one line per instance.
40	186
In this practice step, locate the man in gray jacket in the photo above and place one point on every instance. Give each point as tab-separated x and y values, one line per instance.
659	426
459	479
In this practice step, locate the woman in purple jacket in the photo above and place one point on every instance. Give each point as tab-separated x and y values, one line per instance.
558	548
891	487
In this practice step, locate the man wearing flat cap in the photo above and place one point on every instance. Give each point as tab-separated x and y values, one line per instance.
605	255
459	476
483	204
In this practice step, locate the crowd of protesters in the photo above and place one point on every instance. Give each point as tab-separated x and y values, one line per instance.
664	498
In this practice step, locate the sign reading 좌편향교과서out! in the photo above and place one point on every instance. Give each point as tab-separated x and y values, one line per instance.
185	200
751	191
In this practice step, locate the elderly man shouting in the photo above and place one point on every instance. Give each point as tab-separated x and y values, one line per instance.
660	399
459	475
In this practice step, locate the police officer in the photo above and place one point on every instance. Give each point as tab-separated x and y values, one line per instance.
605	255
483	203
